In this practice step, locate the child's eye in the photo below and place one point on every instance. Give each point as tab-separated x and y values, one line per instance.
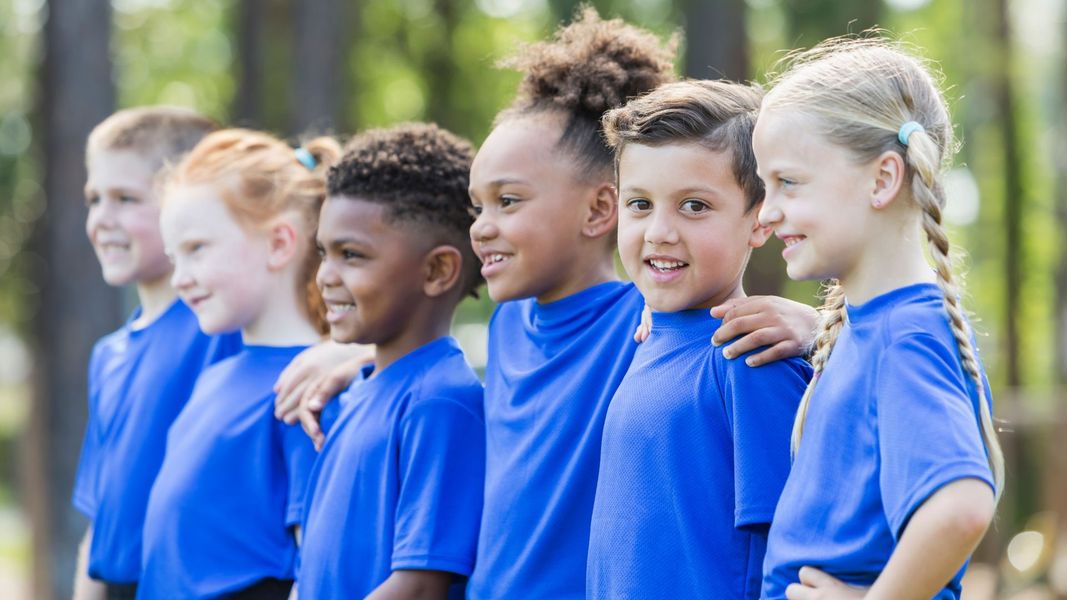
475	210
786	182
92	200
638	204
693	205
320	251
508	200
126	199
347	254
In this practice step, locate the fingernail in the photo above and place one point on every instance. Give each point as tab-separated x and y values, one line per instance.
728	353
750	361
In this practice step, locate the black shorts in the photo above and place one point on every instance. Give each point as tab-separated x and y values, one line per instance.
264	589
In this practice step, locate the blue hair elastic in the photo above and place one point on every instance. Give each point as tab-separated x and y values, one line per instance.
306	158
907	129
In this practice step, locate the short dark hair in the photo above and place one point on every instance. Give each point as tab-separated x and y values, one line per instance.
718	115
420	173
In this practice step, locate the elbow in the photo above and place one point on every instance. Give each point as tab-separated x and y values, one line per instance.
972	514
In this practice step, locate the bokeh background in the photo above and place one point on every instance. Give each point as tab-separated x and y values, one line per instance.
338	66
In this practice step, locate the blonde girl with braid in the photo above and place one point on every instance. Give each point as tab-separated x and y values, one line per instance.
896	464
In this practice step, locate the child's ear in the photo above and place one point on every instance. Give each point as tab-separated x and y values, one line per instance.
759	233
889	176
282	238
603	214
443	267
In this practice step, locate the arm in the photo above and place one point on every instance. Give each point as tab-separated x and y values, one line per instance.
786	327
86	588
413	585
321	391
940	536
309	369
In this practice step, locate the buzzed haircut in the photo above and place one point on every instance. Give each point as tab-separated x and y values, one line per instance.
420	174
160	134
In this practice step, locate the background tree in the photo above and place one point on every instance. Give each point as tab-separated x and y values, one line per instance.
74	306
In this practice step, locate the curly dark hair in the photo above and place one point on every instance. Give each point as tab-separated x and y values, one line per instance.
588	68
420	174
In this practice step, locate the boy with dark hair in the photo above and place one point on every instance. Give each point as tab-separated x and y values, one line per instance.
397	490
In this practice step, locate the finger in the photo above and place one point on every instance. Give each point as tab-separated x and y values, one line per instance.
757	339
309	422
812	577
289	401
737	327
795	591
779	351
641	334
720	311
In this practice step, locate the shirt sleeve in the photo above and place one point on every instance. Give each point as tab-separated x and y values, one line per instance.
88	473
300	457
442	469
928	427
761	404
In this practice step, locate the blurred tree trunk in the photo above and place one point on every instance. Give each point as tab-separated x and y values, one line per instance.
811	21
247	108
320	69
1013	190
75	306
716	45
440	68
262	68
1060	158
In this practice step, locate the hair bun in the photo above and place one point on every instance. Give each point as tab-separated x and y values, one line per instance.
592	65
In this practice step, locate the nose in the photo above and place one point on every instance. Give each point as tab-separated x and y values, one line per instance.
659	229
101	214
180	278
770	213
483	228
326	276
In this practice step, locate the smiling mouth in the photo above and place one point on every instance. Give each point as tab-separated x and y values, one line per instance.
494	258
665	266
340	309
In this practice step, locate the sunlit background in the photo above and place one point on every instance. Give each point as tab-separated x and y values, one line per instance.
336	66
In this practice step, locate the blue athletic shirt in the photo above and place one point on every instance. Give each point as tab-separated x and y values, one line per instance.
695	454
398	484
893	419
231	486
139	380
552	369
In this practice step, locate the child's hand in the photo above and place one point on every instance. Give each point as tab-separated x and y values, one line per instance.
323	388
787	327
645	328
308	368
816	585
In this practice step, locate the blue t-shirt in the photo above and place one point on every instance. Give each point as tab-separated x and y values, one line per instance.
232	484
893	418
398	484
139	380
695	454
551	372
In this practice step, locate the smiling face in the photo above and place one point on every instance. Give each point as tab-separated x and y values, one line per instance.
372	271
817	198
684	229
123	219
221	268
530	205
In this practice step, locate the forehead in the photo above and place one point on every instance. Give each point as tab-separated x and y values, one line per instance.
195	207
679	166
355	218
119	168
519	147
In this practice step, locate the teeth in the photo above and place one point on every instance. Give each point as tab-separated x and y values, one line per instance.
495	258
341	308
793	241
666	264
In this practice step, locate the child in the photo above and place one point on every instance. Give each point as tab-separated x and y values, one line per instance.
397	490
238	219
562	338
696	447
140	376
891	486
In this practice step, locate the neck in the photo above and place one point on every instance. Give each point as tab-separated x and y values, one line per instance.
593	267
736	290
426	325
892	260
155	298
283	319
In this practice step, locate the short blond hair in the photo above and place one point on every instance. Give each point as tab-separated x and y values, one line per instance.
160	134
